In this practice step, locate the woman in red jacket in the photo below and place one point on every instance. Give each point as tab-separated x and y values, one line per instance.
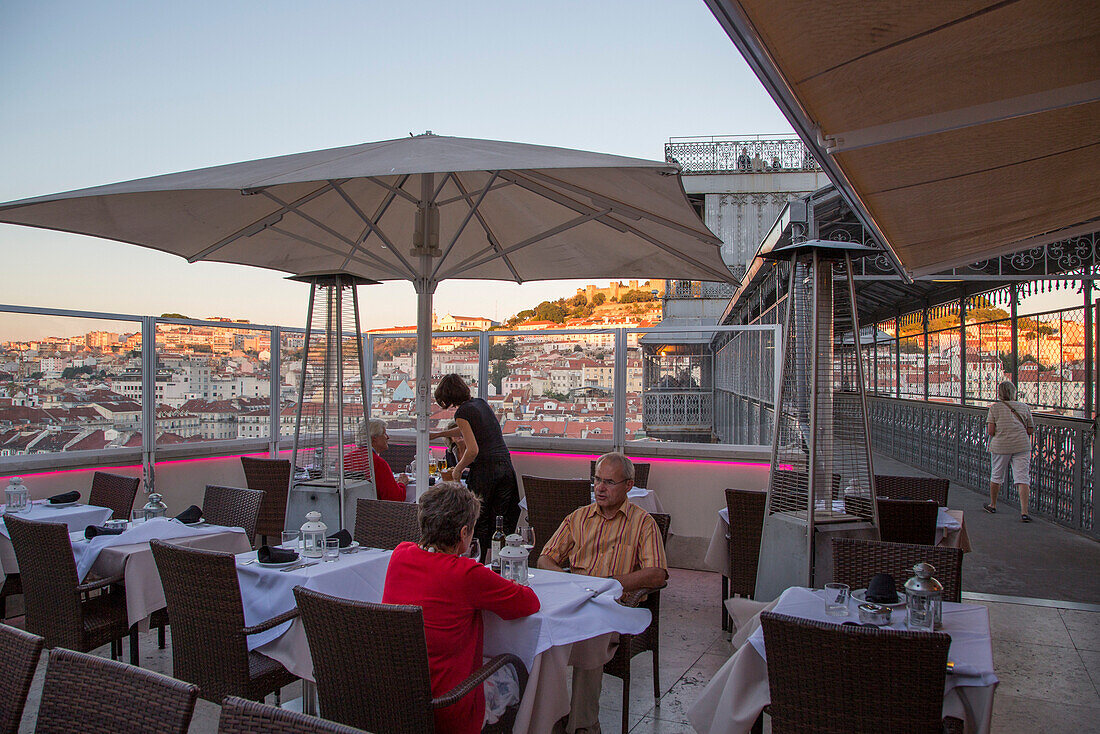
452	589
370	439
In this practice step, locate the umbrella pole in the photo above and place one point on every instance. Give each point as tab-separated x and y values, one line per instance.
425	288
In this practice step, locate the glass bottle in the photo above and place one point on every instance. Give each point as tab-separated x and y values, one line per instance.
497	543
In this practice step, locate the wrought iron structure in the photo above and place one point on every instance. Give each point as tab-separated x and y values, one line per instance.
682	289
740	154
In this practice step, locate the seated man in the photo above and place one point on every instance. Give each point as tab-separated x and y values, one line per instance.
612	538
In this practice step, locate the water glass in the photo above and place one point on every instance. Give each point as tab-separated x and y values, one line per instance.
137	517
290	539
332	550
527	537
475	550
836	600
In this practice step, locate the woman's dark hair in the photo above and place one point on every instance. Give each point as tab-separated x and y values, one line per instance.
451	391
444	510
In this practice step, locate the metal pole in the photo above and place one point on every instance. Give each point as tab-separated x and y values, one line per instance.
862	389
897	355
618	400
336	327
1014	330
302	378
369	360
274	383
811	468
484	342
148	401
1086	286
425	287
962	346
924	320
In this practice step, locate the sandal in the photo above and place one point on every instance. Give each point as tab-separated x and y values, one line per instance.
1025	518
989	508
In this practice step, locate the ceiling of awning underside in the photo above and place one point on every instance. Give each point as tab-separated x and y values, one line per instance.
958	128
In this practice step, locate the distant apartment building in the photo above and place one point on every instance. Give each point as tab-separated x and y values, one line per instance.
450	322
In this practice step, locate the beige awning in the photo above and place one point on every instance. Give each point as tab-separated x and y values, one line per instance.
957	130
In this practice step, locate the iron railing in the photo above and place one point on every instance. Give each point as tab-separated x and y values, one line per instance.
740	154
950	441
683	409
682	289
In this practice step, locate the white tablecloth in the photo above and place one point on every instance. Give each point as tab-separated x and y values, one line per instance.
144	593
569	614
75	517
647	499
738	692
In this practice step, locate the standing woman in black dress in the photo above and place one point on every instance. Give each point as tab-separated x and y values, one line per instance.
492	477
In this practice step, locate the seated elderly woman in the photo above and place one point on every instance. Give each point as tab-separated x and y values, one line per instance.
370	439
452	589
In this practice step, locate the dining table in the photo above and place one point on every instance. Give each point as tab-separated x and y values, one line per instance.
74	515
130	555
575	612
738	692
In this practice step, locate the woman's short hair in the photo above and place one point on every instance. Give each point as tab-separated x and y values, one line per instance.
444	510
368	430
621	459
1006	390
451	391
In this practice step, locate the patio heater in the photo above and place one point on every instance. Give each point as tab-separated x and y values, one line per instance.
332	369
821	483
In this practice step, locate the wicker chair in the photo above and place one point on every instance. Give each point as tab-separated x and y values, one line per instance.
905	693
746	525
370	662
114	492
641	473
907	521
58	606
399	455
549	501
856	561
84	692
913	488
649	639
209	636
384	524
248	717
272	477
233	507
19	653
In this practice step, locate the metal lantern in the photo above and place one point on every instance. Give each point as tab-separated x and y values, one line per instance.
155	507
513	564
313	535
16	497
924	599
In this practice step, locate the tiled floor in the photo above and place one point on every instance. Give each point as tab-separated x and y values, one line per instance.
1048	660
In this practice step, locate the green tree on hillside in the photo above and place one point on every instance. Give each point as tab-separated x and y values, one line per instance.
598	299
547	311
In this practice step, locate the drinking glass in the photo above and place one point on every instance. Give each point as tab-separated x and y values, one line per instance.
137	517
433	467
290	539
527	538
475	550
332	550
836	600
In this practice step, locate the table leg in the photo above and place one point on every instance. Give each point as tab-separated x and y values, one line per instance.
725	595
309	697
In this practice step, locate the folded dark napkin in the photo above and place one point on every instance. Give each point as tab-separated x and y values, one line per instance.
93	530
882	589
343	536
190	515
64	497
268	554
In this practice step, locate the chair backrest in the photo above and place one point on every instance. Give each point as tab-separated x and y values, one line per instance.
904	694
85	692
746	515
47	570
272	477
549	501
240	716
19	653
233	507
641	472
856	561
370	662
664	520
913	488
907	521
385	524
207	618
114	491
399	456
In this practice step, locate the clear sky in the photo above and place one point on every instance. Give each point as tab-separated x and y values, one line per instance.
97	92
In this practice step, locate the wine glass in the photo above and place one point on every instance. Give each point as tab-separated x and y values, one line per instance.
475	550
527	538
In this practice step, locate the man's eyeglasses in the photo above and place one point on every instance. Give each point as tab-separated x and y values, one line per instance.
608	482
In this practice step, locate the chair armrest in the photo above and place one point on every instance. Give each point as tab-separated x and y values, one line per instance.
636	597
99	583
479	676
271	623
951	725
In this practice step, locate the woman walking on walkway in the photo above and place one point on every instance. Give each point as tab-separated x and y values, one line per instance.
1010	427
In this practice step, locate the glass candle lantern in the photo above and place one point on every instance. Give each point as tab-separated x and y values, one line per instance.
924	599
154	508
313	535
16	497
513	564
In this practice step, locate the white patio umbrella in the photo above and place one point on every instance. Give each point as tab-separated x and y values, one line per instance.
421	208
